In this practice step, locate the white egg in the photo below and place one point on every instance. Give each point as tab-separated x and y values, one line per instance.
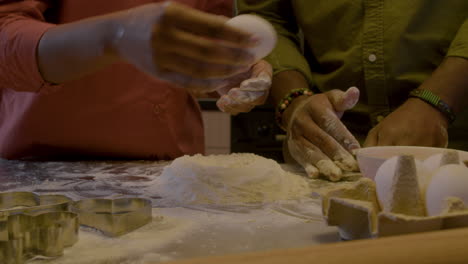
448	157
259	28
447	181
386	182
433	162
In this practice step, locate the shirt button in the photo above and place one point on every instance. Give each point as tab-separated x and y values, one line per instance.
372	57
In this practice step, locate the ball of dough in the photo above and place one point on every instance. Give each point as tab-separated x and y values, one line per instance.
259	28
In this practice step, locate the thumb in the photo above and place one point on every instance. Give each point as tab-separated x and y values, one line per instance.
262	68
343	101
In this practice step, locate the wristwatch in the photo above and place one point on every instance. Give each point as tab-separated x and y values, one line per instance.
435	101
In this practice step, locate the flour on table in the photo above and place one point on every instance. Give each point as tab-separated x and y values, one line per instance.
228	179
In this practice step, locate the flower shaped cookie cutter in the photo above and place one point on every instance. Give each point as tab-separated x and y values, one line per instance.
33	225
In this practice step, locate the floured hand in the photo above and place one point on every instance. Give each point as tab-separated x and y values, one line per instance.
316	137
194	50
251	89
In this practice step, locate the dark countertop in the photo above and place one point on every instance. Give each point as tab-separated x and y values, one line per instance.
80	179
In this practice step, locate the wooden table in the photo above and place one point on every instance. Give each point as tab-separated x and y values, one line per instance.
444	247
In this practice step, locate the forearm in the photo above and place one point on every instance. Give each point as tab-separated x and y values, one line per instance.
450	82
284	82
70	51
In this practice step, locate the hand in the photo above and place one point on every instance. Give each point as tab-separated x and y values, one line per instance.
415	123
184	46
253	88
317	139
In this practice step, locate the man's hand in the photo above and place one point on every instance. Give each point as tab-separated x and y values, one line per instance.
317	139
415	123
250	89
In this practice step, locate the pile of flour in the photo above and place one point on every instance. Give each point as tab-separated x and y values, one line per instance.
228	180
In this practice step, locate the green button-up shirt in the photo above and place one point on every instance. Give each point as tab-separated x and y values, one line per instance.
384	47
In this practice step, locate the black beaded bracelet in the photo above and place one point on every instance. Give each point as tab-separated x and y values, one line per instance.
286	101
435	101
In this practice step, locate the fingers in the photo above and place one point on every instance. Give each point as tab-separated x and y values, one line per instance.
261	83
322	108
228	105
193	85
371	139
333	126
205	50
196	69
240	101
262	68
325	130
343	101
320	136
234	82
207	25
308	155
252	92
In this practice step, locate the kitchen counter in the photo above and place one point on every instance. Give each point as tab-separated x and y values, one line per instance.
178	231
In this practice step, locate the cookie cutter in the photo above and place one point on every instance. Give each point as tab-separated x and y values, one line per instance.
43	225
32	225
114	217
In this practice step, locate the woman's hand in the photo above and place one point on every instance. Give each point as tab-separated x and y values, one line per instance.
184	46
250	89
415	123
316	137
170	41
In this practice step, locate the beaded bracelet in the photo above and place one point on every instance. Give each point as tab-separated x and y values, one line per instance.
286	101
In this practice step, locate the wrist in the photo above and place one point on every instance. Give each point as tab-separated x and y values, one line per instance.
288	113
435	102
432	112
286	106
114	33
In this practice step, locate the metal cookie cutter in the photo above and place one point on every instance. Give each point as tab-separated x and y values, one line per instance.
114	217
32	225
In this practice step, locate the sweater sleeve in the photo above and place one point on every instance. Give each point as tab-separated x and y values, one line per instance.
287	54
22	25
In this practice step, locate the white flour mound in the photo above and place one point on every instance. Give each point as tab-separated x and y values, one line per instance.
228	179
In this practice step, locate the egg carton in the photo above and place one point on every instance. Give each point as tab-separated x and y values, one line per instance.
355	210
33	225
